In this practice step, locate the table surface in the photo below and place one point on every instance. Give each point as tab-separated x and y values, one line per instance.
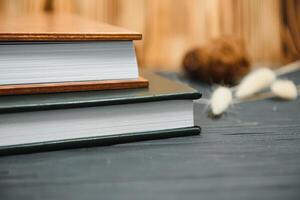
252	152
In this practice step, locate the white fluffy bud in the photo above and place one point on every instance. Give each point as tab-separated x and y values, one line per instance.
220	100
255	82
284	89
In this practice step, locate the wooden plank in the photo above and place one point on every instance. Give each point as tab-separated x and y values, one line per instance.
270	28
72	86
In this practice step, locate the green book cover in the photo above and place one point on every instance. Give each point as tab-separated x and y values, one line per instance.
160	90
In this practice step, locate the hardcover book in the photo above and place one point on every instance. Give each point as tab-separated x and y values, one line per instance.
61	53
66	120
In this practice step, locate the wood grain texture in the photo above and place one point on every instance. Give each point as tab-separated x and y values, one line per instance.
270	28
72	86
60	27
252	152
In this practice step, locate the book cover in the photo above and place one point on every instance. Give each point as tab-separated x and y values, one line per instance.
46	30
160	89
60	27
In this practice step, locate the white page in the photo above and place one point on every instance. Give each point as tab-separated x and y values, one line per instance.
22	63
41	126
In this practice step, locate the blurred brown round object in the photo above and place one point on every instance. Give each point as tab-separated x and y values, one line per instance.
223	61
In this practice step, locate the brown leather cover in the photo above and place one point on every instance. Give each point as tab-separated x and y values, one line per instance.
72	86
59	27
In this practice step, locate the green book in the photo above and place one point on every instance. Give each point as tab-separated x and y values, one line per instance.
42	122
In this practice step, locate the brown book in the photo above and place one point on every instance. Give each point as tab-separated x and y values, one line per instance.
60	27
72	86
63	53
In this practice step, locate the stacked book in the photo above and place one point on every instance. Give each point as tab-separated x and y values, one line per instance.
68	82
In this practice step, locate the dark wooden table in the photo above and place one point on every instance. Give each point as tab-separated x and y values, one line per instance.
252	152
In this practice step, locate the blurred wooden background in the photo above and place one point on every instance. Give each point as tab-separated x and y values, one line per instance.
270	28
